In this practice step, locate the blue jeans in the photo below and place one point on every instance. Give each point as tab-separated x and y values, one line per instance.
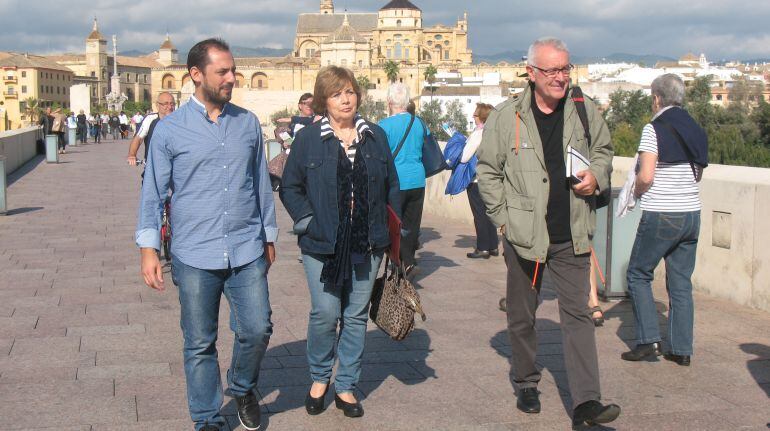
328	306
673	237
200	291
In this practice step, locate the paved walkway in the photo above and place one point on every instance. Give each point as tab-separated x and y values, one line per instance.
85	346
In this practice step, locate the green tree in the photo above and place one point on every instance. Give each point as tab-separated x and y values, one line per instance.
432	116
391	70
455	116
363	82
628	107
282	113
372	110
32	110
430	78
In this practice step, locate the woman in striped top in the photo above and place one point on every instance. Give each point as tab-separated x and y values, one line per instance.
672	154
336	185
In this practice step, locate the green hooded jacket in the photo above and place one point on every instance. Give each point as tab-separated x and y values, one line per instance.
514	182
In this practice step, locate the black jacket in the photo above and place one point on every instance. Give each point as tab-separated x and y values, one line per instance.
309	187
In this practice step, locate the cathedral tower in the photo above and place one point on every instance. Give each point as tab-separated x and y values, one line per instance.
327	6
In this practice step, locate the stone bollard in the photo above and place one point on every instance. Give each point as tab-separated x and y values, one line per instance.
51	149
72	137
3	201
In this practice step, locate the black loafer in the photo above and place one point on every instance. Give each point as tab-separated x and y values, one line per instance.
315	406
683	360
593	412
248	411
478	254
528	400
494	252
642	351
351	410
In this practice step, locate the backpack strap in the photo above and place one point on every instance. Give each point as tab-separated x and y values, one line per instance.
401	144
580	107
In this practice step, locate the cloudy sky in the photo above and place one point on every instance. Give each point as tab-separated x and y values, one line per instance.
723	29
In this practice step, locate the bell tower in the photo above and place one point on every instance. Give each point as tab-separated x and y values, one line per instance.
327	6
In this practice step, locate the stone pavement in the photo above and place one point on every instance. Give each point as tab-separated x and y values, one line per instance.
85	346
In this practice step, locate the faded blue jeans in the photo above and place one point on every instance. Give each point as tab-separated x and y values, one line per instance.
672	236
200	291
348	306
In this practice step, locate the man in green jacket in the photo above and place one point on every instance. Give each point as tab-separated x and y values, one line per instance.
547	218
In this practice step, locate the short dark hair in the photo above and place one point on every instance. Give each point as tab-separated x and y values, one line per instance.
305	97
199	53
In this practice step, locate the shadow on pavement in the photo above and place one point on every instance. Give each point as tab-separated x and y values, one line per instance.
760	366
25	169
465	241
290	393
17	211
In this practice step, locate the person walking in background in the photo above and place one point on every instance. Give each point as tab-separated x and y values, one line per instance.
405	137
58	125
166	105
123	118
72	124
114	123
46	121
211	154
105	121
306	115
547	221
486	232
672	155
136	121
96	127
337	183
82	127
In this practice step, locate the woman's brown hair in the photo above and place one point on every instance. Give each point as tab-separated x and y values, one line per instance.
483	110
330	80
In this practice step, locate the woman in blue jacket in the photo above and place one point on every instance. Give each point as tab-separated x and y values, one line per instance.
337	183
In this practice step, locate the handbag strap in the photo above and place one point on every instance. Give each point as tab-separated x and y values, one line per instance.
685	148
401	144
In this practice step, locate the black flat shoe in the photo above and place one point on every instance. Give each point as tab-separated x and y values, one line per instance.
528	400
502	305
478	254
351	410
683	360
642	351
494	252
593	412
315	406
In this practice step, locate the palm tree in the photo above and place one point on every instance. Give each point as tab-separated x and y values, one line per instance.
391	70
363	82
430	77
31	109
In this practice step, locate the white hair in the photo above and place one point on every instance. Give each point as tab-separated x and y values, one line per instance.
553	42
669	88
398	95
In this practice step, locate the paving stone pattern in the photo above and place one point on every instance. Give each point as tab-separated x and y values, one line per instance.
85	346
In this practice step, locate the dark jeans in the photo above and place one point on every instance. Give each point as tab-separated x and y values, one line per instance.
673	237
411	217
97	134
82	133
60	140
200	291
486	233
569	273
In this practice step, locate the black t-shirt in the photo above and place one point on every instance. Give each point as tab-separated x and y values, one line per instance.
81	118
551	129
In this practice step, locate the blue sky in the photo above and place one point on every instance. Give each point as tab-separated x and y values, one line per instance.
723	29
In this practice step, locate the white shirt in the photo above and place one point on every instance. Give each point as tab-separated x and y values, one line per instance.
674	188
137	119
145	129
123	119
72	122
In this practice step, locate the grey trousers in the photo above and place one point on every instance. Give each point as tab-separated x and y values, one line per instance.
569	273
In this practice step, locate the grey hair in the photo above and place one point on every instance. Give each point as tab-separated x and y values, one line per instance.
553	42
669	88
398	95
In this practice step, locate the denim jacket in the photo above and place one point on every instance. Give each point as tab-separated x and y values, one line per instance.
309	188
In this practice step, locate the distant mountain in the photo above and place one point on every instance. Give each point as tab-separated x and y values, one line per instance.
238	51
133	53
507	56
516	56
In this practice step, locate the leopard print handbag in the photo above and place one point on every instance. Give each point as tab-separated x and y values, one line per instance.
394	303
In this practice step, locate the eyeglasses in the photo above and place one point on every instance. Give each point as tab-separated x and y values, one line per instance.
551	73
165	104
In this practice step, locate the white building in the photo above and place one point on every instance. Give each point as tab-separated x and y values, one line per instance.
468	91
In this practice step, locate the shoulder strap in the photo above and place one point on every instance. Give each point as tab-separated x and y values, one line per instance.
685	148
580	107
401	144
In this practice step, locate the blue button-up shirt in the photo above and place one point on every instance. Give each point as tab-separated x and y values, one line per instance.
222	208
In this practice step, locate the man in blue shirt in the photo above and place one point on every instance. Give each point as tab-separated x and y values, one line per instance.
411	172
210	154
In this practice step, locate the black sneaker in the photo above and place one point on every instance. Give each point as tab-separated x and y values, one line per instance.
248	411
209	428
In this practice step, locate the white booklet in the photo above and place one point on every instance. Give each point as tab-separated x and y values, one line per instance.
576	162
